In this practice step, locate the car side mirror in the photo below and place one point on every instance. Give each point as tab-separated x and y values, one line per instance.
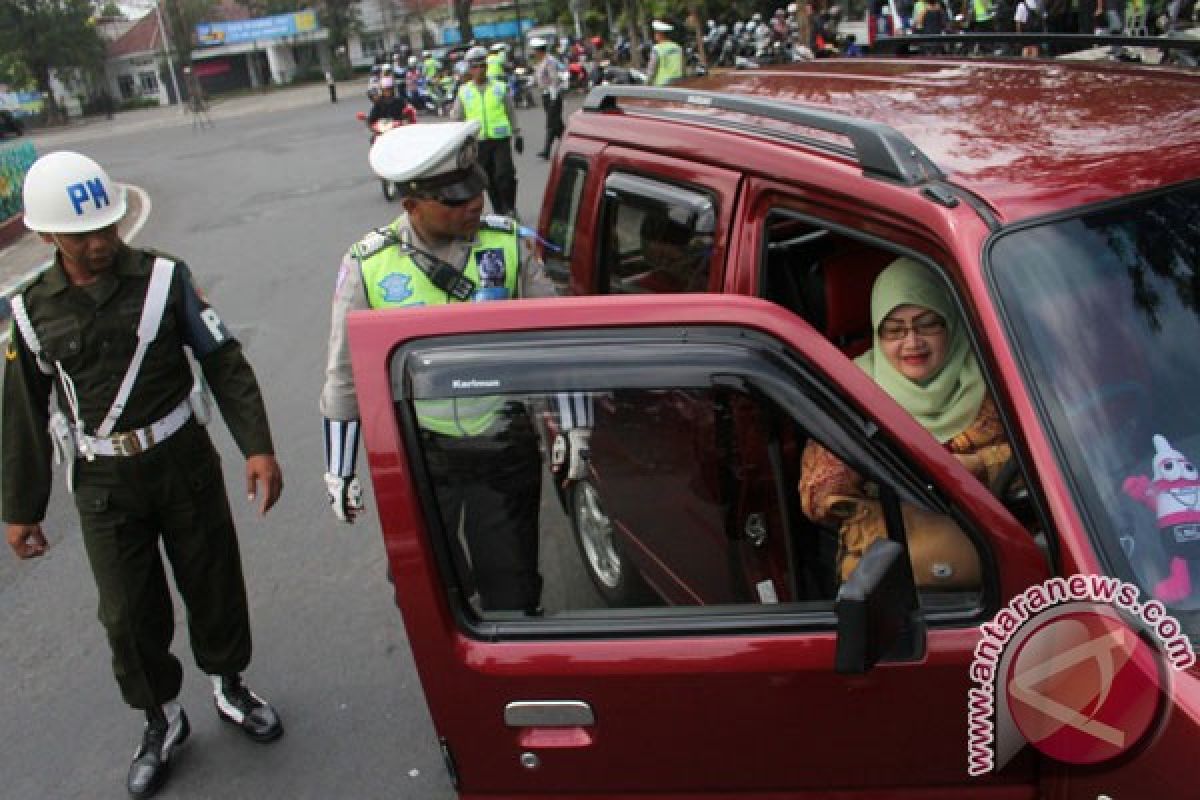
877	614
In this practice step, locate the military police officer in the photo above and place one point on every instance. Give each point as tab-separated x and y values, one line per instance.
444	250
488	102
103	332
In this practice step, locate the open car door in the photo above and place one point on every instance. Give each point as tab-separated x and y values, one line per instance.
682	635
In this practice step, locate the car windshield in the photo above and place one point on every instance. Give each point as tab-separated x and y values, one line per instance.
1104	310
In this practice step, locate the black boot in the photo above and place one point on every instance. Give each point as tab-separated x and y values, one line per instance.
166	729
238	705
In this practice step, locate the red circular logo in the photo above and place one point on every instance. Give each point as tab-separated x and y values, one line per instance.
1083	687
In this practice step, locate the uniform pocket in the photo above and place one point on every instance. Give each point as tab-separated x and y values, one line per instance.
92	500
62	339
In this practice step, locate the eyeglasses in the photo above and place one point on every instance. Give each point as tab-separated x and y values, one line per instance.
893	330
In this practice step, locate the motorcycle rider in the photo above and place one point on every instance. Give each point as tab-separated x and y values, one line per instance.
666	59
390	105
488	102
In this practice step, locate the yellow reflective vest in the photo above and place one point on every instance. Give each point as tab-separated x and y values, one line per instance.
487	106
393	280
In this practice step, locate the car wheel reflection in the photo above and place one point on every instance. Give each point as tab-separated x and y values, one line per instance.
615	577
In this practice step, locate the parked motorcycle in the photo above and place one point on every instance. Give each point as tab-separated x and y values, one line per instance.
380	127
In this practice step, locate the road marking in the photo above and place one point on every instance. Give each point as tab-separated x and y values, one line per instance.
138	224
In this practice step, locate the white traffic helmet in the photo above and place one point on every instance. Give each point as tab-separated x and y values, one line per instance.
498	47
412	61
68	192
475	56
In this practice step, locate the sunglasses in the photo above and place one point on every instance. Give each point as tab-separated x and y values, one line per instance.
448	202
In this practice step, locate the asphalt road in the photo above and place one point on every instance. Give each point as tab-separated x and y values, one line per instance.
261	207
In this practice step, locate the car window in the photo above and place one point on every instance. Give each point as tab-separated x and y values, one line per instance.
689	499
1103	308
559	241
657	237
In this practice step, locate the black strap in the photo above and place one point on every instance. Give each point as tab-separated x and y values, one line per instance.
442	274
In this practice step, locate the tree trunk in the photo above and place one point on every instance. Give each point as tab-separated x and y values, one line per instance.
462	12
54	114
633	20
695	9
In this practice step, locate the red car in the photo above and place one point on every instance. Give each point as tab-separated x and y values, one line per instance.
695	638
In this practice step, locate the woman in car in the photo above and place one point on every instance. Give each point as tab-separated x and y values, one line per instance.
922	358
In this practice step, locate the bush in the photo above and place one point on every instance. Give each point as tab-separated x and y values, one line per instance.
138	102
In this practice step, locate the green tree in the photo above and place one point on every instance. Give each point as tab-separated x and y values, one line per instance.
46	35
180	20
111	9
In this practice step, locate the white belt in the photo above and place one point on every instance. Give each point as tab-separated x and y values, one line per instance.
133	442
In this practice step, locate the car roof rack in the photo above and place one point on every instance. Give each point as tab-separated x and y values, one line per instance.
880	149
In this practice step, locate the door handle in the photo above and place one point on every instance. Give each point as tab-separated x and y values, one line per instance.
548	714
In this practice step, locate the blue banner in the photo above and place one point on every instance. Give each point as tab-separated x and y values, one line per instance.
494	30
210	34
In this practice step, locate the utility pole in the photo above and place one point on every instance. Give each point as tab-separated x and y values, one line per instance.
162	31
520	33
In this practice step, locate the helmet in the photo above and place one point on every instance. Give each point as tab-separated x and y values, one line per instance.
791	8
68	192
537	43
597	41
387	82
476	56
424	54
412	61
498	47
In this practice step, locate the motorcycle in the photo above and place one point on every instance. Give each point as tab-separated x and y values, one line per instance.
520	86
380	127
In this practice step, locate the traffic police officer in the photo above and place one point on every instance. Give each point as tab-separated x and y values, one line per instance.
666	59
482	450
103	330
488	102
496	60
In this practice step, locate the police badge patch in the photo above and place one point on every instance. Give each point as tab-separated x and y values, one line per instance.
396	287
491	267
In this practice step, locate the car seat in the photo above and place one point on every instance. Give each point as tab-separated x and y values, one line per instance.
844	280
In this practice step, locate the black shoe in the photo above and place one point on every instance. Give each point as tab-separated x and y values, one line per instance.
238	705
152	761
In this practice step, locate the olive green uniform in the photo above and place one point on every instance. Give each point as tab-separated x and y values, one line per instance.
173	490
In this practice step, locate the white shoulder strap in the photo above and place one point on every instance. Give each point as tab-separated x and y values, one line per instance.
152	313
17	302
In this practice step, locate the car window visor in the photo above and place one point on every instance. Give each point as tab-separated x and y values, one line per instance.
690	209
472	370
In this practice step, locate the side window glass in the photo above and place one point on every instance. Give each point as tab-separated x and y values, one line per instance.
657	237
661	495
564	213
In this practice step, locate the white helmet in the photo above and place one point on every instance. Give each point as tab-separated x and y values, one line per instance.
498	47
412	61
68	192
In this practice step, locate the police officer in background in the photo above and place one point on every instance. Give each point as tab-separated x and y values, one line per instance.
482	450
486	101
666	59
546	77
103	331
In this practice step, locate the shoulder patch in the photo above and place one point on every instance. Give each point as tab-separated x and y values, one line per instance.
374	242
496	222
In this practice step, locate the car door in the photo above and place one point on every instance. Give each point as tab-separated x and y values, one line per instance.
657	691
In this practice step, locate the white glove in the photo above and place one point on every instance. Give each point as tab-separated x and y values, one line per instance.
572	453
345	496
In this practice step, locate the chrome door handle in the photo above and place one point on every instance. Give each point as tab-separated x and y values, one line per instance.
548	714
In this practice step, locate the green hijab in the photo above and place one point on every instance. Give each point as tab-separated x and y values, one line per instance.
948	402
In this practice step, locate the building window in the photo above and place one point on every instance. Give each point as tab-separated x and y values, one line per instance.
125	84
148	82
372	45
